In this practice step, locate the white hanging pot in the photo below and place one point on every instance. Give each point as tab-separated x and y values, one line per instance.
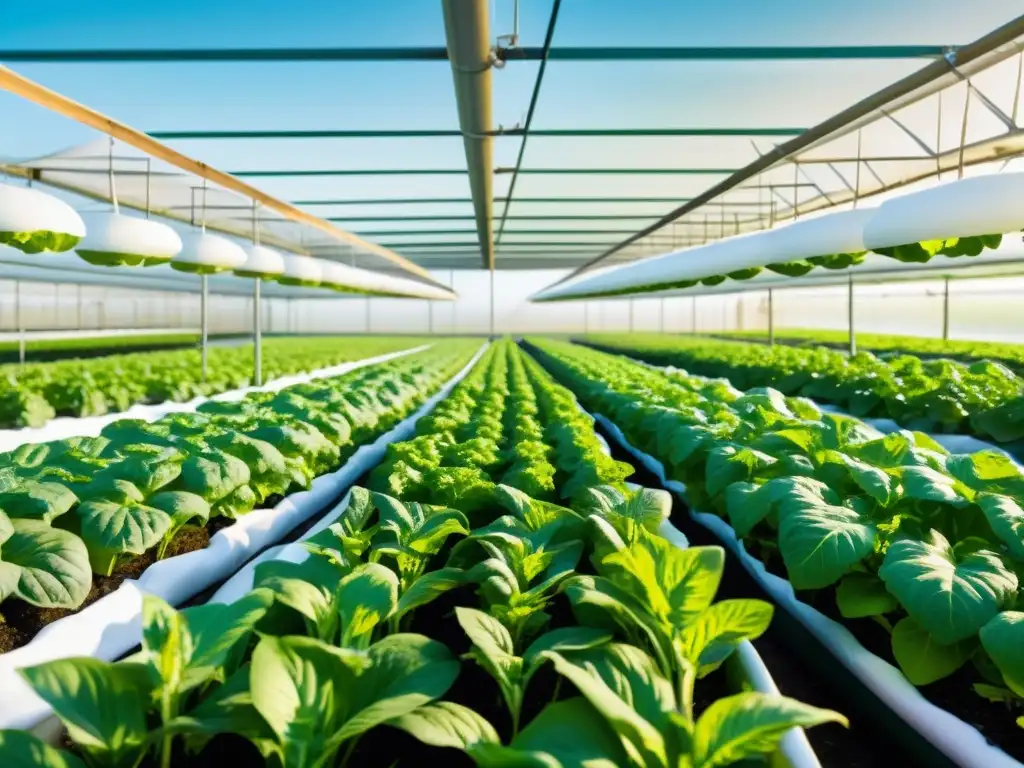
114	240
33	221
339	277
206	254
261	263
303	271
980	205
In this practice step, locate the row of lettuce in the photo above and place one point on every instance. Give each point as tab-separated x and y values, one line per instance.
500	592
73	507
927	545
35	393
984	399
1009	354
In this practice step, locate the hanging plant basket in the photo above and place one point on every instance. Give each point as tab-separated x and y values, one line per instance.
261	263
114	240
301	271
206	254
35	222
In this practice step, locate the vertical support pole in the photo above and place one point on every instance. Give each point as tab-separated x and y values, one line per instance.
693	315
661	315
203	310
945	310
78	310
135	313
367	314
631	315
850	316
455	304
18	322
257	335
492	302
586	317
430	317
771	319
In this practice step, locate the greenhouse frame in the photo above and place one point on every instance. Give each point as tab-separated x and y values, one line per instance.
574	383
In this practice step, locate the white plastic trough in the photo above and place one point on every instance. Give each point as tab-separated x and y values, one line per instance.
981	205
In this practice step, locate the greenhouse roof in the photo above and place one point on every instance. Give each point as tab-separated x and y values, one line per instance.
593	137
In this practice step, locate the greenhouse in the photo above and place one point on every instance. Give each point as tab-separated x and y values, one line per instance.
553	384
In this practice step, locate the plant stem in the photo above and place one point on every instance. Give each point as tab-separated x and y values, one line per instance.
348	752
685	681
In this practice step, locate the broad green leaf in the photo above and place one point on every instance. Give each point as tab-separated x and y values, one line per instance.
109	489
862	594
365	598
405	672
167	645
564	640
428	588
37	501
183	507
750	725
730	464
641	740
44	566
713	634
212	474
950	597
447	724
1006	518
492	639
217	629
228	708
102	705
677	584
566	734
1003	640
301	687
6	527
820	542
921	657
121	527
20	749
927	484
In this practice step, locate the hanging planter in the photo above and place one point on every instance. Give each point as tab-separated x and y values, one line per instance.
261	263
206	254
301	271
34	222
115	240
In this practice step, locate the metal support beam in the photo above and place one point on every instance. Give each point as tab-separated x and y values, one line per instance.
204	299
78	305
435	53
631	315
491	303
538	82
18	324
467	28
693	315
885	98
850	317
945	309
257	335
368	321
661	315
484	173
38	94
431	133
771	319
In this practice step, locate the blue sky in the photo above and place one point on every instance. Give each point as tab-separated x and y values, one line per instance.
395	95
